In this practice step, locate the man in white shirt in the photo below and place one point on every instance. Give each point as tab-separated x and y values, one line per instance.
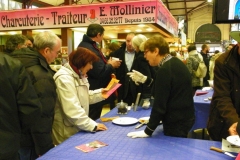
127	54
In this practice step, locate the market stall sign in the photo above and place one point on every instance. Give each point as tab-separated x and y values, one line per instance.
82	15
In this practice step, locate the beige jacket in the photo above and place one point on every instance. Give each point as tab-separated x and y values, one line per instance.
72	107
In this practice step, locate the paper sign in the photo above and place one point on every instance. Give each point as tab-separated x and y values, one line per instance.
112	83
112	87
88	147
226	146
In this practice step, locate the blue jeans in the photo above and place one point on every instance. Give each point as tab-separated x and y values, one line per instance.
27	153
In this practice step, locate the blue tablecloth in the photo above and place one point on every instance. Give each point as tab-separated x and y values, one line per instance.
202	107
121	147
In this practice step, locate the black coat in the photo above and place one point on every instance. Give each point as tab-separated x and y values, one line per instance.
42	78
225	104
206	59
140	64
173	102
20	107
100	75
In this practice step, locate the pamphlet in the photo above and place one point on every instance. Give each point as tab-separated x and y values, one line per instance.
88	147
112	87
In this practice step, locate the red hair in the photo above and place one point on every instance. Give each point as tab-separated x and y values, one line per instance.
81	57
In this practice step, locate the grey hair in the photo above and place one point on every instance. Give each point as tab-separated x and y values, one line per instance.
138	40
45	39
141	47
13	41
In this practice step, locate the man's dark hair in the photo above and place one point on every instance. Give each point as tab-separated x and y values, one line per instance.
13	41
30	38
191	48
94	29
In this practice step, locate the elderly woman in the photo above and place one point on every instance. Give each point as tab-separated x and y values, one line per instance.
142	64
74	97
172	91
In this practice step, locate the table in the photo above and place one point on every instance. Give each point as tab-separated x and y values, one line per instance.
121	147
202	108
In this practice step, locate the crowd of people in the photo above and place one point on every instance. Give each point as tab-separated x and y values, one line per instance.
41	107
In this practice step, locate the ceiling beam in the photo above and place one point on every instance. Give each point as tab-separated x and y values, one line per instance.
185	4
184	1
182	8
196	7
36	3
177	15
167	4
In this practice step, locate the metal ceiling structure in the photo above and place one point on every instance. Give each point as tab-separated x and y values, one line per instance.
181	8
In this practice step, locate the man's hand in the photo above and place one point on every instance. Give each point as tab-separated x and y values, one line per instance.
114	63
137	77
138	134
233	129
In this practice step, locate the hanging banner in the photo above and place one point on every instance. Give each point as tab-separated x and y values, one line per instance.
165	19
136	12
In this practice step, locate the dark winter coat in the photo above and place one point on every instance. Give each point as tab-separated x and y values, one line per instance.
100	75
20	107
42	78
225	104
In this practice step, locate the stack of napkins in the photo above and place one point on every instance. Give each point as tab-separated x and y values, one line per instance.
207	88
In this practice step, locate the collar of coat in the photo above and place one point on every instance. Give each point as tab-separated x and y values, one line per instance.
193	52
232	59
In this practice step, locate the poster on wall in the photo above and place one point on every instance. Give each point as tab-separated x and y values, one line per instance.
64	54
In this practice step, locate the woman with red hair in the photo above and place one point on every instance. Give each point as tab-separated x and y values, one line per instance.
74	97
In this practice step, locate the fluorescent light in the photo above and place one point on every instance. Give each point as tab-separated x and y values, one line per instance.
80	29
12	33
138	30
149	29
41	30
141	25
127	30
209	0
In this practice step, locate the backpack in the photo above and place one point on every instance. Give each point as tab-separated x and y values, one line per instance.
201	70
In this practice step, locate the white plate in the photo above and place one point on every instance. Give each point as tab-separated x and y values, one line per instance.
125	121
234	140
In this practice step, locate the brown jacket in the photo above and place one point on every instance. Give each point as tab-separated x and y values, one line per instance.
225	105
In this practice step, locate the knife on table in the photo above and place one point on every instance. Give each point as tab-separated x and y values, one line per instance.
142	123
222	151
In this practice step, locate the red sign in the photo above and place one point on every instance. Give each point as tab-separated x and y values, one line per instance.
135	12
